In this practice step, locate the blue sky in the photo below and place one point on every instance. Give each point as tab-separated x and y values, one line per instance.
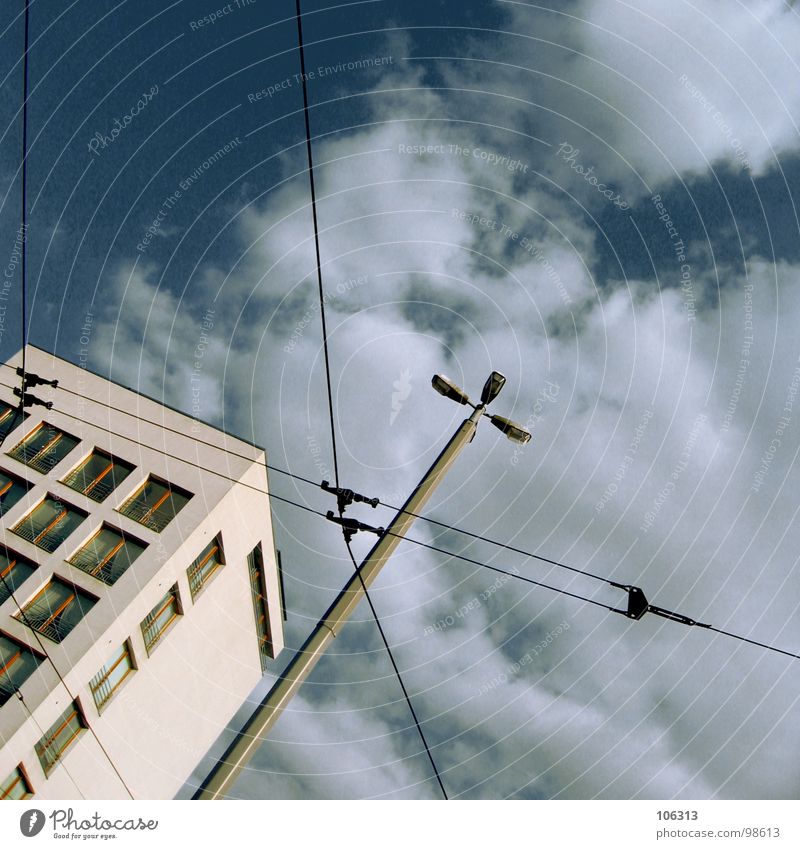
588	306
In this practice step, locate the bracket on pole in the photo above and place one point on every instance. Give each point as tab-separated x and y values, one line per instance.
352	526
345	497
29	400
34	379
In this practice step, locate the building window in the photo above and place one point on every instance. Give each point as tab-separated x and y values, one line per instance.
16	786
155	504
10	417
14	569
108	554
17	664
160	618
255	564
202	569
110	677
12	489
49	523
98	475
44	447
64	731
56	609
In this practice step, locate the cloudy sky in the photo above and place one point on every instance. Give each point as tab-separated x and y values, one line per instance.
594	197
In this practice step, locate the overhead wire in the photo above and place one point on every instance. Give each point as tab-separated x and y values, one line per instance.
23	230
24	177
316	485
313	189
298	505
304	78
35	721
397	673
26	621
558	590
22	395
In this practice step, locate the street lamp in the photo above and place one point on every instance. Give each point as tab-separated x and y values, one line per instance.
444	386
240	751
511	429
491	389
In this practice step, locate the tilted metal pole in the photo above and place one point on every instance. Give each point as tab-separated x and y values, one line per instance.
247	741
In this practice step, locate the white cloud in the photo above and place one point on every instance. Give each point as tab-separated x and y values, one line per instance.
650	91
611	708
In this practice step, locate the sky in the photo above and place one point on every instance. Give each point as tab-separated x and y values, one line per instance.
594	197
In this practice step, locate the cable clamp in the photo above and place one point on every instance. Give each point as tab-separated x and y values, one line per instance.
638	605
637	601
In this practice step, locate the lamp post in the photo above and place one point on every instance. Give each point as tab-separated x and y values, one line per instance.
241	750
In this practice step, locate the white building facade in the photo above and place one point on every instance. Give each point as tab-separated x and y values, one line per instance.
140	599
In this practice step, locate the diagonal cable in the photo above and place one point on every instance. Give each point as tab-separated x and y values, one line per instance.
19	409
397	673
316	239
322	515
304	78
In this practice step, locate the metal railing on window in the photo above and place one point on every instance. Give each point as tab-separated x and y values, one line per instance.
10	417
16	786
44	448
57	609
11	490
52	747
13	572
108	555
155	505
49	523
255	565
98	475
209	560
8	685
17	663
51	623
158	621
110	677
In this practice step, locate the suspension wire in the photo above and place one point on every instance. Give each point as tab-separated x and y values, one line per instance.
23	227
296	504
512	574
422	544
504	545
20	406
24	176
27	622
397	673
42	734
19	409
319	513
316	237
315	484
463	557
752	642
304	78
684	620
